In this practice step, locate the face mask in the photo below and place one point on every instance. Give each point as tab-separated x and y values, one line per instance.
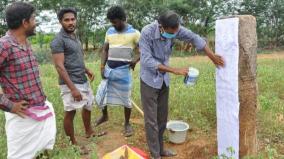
168	35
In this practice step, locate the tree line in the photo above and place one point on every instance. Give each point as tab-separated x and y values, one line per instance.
198	15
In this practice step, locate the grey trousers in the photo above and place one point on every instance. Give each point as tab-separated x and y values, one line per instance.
155	106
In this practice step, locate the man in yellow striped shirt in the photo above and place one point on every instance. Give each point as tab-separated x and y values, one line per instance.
118	56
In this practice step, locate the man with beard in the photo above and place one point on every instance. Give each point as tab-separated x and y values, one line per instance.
117	59
76	92
30	119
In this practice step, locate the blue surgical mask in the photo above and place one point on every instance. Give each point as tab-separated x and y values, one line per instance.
168	35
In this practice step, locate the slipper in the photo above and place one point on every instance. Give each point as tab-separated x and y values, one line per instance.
128	130
103	133
168	153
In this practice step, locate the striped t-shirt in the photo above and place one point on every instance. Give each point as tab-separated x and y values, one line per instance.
121	44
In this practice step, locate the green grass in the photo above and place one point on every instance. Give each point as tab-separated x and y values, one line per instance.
196	105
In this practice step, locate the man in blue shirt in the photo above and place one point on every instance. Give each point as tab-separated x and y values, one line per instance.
155	46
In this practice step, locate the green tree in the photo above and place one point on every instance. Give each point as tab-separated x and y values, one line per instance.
140	12
199	15
90	13
270	20
3	27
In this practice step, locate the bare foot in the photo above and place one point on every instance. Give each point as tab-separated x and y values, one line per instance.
74	142
101	120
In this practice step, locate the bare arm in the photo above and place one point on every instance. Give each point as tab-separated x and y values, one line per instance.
58	60
216	59
136	58
90	74
188	36
176	71
137	55
104	57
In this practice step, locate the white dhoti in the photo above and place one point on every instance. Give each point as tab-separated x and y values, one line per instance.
27	136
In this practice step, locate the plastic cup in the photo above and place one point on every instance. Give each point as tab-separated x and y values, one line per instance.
191	78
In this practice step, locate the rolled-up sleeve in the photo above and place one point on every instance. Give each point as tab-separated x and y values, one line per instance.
5	103
3	54
190	37
146	53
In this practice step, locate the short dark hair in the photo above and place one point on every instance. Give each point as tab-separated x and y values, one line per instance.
17	12
63	11
169	19
116	12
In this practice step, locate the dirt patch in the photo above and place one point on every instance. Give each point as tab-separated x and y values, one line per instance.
280	118
276	55
104	144
201	148
137	121
195	147
113	140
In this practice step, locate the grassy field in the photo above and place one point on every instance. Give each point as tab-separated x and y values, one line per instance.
196	105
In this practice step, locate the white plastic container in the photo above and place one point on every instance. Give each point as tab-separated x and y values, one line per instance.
177	131
192	76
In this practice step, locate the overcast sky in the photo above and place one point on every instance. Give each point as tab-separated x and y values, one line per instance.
48	22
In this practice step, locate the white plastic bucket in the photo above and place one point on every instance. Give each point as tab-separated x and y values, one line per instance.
177	131
192	76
